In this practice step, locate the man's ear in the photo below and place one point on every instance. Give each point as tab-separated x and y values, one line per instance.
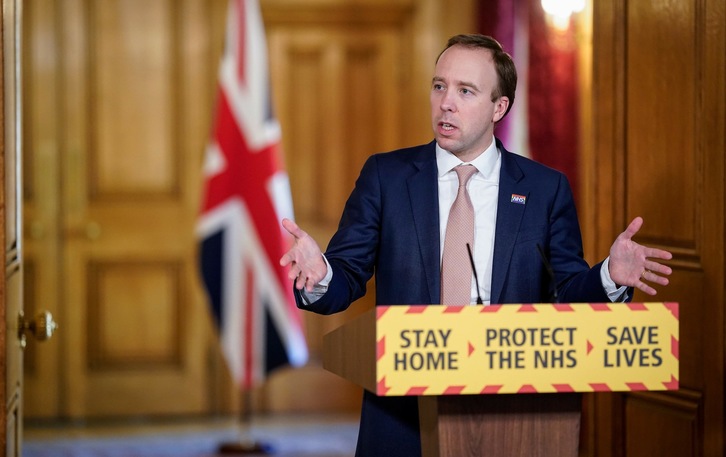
500	108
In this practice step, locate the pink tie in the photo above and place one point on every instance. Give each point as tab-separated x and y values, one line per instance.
456	266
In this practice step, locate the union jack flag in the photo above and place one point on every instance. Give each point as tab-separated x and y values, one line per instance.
247	193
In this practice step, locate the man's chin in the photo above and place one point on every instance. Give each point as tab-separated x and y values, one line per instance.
447	143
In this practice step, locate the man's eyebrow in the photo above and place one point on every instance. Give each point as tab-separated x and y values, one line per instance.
468	84
436	79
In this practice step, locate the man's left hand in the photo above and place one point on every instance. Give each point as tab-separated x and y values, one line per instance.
632	264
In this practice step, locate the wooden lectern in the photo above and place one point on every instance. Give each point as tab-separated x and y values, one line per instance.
546	425
506	380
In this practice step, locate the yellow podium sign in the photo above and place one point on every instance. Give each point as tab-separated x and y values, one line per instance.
527	348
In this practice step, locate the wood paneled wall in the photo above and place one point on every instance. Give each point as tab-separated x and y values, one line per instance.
349	80
118	110
658	152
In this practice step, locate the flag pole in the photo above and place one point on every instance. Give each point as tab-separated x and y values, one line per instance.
246	443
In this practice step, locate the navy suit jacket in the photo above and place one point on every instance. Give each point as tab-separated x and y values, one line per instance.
390	227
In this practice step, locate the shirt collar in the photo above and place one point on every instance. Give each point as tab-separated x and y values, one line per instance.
485	162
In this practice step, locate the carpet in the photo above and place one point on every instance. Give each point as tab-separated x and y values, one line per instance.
312	439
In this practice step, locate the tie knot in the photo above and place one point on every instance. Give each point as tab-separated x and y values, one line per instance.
465	172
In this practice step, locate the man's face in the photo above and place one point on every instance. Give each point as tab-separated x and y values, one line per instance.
462	111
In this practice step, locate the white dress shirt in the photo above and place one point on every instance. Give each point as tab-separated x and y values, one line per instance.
483	190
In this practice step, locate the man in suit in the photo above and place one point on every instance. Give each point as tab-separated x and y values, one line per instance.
395	222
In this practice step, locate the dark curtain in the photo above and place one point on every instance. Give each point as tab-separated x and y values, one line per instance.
551	85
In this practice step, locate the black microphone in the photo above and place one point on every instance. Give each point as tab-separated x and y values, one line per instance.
550	272
479	301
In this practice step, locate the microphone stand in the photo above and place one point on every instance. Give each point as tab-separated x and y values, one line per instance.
550	272
479	301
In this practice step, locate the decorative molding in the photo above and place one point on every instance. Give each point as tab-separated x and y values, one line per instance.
684	399
293	13
170	190
100	357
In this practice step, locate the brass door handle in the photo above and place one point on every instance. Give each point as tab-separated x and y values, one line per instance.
42	327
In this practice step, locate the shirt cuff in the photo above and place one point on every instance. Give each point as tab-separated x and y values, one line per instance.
319	289
614	291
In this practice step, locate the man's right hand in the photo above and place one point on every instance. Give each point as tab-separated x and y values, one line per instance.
307	267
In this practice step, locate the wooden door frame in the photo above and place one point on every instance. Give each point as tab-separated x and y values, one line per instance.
10	213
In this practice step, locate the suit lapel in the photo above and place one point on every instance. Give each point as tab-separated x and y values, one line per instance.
424	197
509	218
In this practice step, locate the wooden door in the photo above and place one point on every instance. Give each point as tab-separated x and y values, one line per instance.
11	339
134	113
659	141
118	107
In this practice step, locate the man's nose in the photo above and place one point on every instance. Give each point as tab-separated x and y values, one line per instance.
447	102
